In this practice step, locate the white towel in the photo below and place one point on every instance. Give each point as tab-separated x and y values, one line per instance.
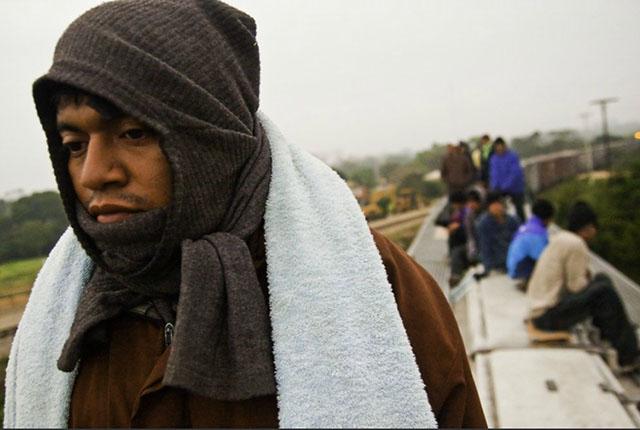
342	356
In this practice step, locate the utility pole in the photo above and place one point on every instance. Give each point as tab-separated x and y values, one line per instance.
605	126
587	141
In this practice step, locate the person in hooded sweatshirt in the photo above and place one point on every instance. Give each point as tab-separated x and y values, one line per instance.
529	242
506	175
214	274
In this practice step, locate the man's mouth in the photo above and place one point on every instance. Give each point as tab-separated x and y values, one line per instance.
111	213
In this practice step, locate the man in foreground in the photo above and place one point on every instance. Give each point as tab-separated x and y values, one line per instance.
215	275
562	291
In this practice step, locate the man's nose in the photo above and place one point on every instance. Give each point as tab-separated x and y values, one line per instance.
102	166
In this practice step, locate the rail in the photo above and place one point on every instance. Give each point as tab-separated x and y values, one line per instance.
401	221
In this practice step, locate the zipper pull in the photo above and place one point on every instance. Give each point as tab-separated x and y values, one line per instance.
168	334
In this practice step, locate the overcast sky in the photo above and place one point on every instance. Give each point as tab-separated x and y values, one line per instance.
357	77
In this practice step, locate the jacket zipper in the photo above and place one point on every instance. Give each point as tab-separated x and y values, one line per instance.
168	334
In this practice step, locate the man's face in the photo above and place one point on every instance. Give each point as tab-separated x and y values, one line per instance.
116	164
500	149
589	232
496	209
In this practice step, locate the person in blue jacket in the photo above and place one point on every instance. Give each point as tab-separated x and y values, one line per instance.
495	229
529	242
506	175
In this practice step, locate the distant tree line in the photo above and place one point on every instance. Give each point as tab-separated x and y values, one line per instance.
30	226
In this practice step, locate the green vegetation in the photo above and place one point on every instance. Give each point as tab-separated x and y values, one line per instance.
3	368
616	201
19	275
30	226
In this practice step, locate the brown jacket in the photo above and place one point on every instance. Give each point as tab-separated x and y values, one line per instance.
457	171
121	384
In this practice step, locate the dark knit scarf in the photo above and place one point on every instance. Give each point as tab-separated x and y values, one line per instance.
190	70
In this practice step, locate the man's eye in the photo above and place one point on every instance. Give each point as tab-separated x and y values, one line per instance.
135	134
76	147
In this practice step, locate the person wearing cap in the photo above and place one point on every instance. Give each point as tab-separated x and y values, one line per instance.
214	273
495	229
563	292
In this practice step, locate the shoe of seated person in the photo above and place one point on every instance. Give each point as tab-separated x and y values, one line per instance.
454	280
631	366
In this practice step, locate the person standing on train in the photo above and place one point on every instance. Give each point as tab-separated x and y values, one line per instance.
506	175
563	292
466	151
495	230
456	170
480	156
529	242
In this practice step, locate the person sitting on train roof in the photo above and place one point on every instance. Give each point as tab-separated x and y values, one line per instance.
529	242
457	240
506	175
474	208
495	230
562	291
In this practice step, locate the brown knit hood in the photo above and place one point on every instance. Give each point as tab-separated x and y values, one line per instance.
190	70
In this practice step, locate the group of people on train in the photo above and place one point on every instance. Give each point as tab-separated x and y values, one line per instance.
553	270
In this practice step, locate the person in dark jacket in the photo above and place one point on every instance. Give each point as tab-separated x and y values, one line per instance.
457	237
473	210
457	170
495	230
506	175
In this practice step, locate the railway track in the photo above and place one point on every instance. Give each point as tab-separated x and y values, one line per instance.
403	221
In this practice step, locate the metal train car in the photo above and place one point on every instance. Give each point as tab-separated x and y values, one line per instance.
546	170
